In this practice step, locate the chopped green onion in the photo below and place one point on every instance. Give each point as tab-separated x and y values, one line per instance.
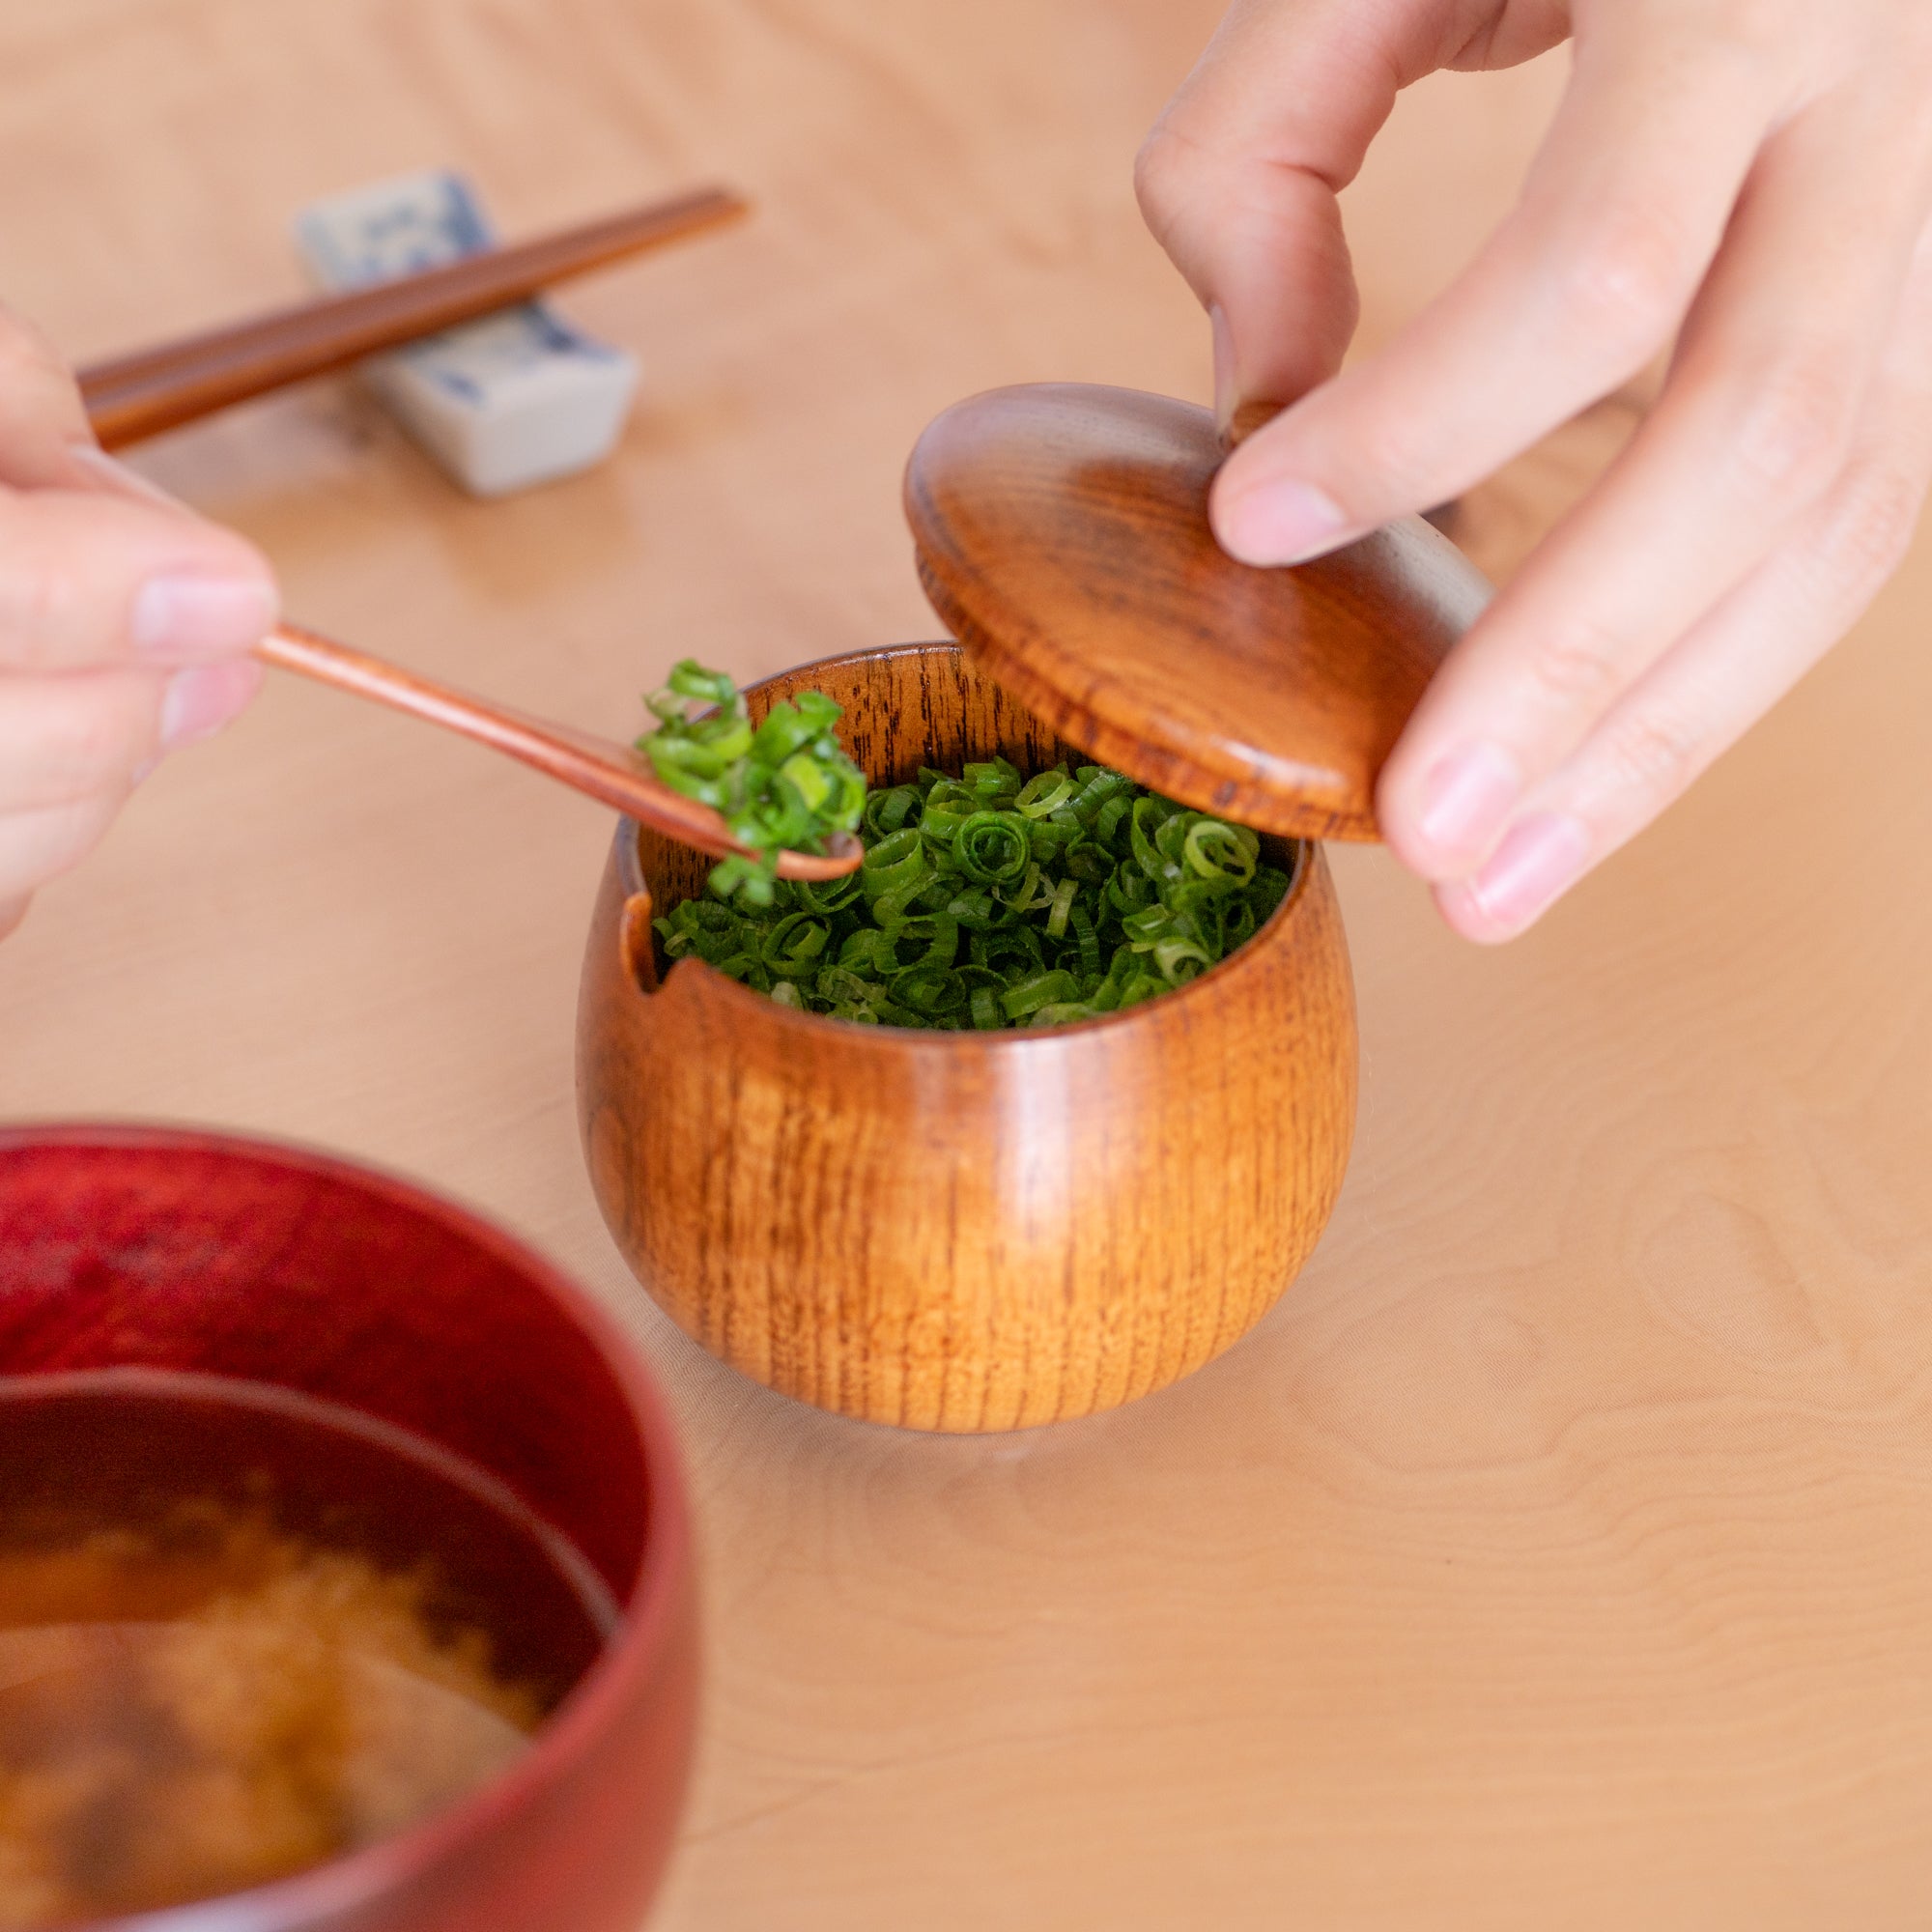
985	901
785	786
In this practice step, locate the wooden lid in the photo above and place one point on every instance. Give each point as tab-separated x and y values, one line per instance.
1062	535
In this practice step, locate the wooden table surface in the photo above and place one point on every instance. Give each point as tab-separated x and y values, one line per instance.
1559	1552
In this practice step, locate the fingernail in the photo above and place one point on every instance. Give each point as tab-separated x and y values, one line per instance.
1227	398
1539	861
201	616
201	699
1281	523
102	468
1467	798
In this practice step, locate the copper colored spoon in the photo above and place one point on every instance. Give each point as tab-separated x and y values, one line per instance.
602	767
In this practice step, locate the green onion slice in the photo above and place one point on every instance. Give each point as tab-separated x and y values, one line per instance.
986	901
785	785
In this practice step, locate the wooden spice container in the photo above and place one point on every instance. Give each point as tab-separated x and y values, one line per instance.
977	1232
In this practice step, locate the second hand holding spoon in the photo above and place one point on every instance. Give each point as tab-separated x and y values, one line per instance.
615	773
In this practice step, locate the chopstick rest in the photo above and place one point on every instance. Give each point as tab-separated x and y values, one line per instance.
513	400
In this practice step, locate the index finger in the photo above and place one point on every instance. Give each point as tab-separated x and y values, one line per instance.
1622	215
94	571
1239	177
89	580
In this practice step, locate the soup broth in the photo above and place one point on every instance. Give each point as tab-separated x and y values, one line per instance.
242	1631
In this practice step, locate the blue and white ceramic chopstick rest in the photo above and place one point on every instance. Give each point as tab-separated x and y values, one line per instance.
515	399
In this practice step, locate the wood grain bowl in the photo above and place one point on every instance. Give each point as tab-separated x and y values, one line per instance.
961	1232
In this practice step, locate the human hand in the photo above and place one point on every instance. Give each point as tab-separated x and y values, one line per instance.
124	620
1752	176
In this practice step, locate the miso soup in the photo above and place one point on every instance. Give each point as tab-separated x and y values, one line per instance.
243	1631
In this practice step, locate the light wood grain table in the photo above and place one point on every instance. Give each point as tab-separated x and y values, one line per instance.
1560	1554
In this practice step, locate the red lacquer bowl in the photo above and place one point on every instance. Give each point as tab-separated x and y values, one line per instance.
132	1246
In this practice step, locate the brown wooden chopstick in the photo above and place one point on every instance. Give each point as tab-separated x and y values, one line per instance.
154	389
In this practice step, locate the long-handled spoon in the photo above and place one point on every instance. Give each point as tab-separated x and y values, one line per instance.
606	769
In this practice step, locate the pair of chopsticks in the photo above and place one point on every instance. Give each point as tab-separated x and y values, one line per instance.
140	395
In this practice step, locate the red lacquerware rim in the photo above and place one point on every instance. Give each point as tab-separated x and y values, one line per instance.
367	1875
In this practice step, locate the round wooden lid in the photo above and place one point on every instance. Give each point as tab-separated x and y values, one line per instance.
1062	535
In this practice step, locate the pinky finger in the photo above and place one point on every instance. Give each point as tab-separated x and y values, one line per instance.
1713	685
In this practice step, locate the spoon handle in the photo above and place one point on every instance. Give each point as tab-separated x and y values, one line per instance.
602	767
